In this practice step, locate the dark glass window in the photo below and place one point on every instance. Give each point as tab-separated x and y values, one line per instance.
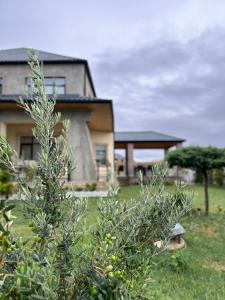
1	83
52	85
29	85
55	85
101	153
29	148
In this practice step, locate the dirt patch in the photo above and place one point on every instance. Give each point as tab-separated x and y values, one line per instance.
216	266
208	231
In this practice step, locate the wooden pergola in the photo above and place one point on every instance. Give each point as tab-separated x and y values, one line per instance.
143	140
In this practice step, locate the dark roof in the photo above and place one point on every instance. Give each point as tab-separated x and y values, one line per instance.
144	136
19	56
60	99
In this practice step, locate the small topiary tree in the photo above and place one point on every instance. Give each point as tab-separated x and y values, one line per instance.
201	159
61	262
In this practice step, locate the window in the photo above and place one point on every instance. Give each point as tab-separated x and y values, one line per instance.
121	169
29	148
1	83
101	153
55	85
29	85
52	85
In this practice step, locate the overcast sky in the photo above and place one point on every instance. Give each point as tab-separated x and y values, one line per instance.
162	62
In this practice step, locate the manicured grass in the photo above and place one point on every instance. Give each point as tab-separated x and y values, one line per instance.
203	277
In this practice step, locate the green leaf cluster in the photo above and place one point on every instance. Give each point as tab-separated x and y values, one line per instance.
201	159
198	158
124	241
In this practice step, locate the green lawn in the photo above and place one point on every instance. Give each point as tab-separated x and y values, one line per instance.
204	274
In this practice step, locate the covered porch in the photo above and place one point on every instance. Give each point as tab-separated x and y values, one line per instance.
91	126
129	141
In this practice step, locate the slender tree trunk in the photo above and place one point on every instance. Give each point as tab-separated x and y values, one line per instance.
206	183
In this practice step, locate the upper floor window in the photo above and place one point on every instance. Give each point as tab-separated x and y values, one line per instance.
52	85
1	84
55	85
29	85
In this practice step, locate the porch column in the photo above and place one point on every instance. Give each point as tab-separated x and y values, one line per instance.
2	129
129	160
80	142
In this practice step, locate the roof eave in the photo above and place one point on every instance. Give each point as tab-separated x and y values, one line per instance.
94	101
90	77
149	141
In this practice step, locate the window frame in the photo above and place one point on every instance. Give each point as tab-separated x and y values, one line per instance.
1	85
31	144
103	162
30	86
54	85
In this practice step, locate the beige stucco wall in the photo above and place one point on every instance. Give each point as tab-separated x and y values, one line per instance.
82	137
15	131
14	77
2	129
107	138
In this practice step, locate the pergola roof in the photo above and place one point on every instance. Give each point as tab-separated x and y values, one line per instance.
144	136
146	140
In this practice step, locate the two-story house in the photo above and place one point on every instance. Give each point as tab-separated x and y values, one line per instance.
91	133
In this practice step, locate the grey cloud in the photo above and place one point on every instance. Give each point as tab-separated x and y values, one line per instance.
149	59
169	86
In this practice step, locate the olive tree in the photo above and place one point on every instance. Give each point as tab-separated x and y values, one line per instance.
201	159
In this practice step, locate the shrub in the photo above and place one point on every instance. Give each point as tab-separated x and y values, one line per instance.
173	261
6	183
30	172
79	188
91	186
126	232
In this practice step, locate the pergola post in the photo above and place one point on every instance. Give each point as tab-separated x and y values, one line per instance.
143	140
130	160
